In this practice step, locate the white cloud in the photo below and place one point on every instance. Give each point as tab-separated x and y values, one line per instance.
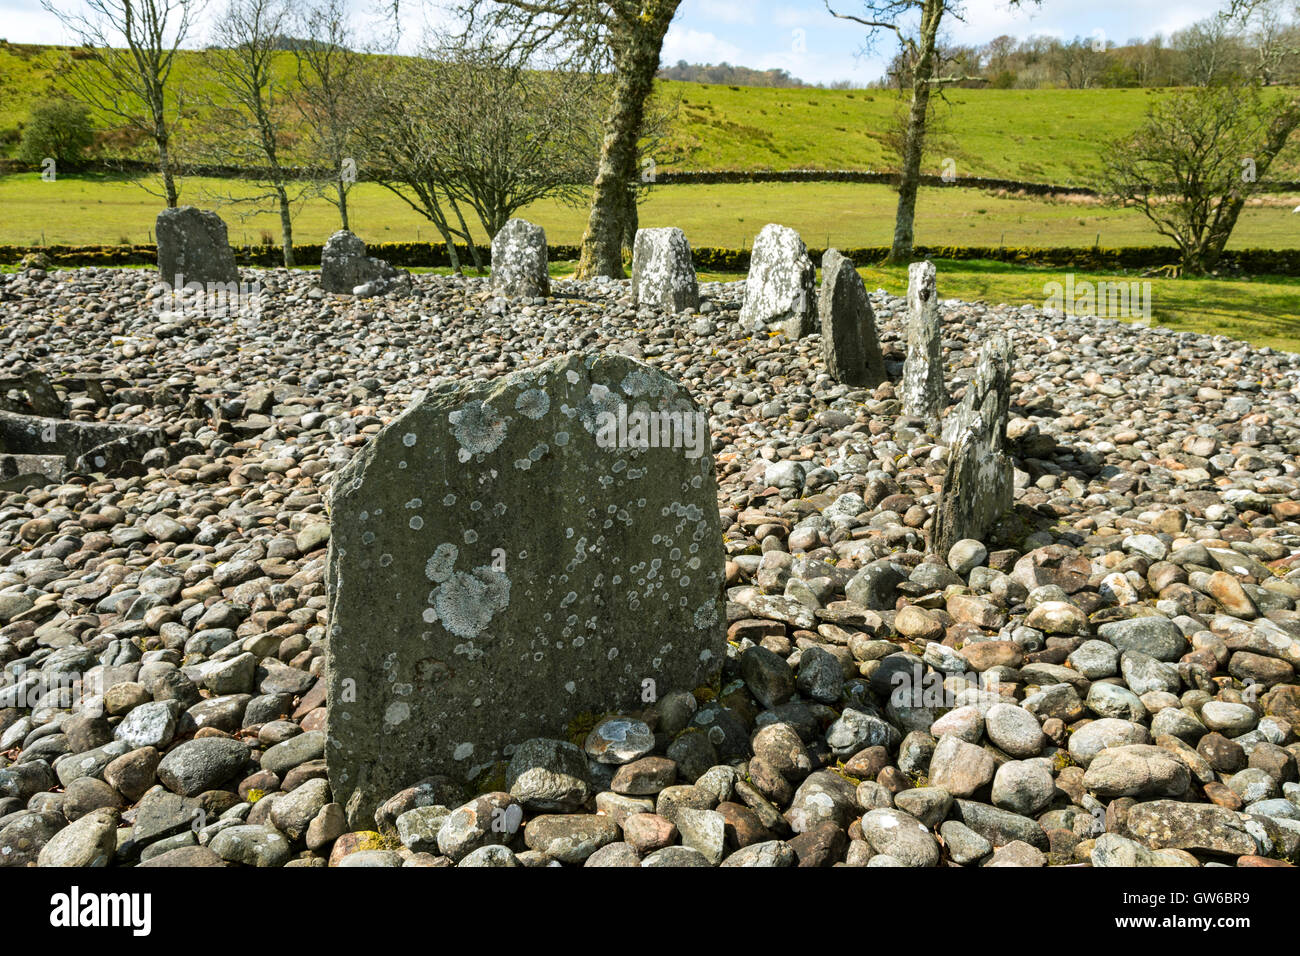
695	46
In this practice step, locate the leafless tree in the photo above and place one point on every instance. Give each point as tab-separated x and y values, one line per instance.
134	43
467	126
623	35
329	68
251	109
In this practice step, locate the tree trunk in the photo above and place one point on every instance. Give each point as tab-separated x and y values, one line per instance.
631	222
165	168
636	61
1225	220
469	237
286	227
343	202
909	175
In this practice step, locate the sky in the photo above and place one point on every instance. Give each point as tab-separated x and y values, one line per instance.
799	36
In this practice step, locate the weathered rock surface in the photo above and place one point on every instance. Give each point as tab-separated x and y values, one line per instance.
499	558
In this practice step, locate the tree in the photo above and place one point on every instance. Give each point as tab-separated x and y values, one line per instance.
250	111
134	44
58	129
920	45
1211	51
466	125
1195	160
625	35
329	71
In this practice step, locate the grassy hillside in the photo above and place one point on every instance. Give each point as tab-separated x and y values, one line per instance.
1038	135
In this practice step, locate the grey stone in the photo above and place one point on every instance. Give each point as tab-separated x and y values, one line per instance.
922	389
977	486
1137	770
901	836
252	846
202	764
519	260
663	274
344	266
850	347
781	287
419	575
91	841
1156	637
1196	827
193	247
1023	786
548	775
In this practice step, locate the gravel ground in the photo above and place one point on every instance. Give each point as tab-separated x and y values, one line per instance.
1110	678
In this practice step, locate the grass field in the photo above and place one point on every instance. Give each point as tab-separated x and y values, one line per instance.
1054	136
102	210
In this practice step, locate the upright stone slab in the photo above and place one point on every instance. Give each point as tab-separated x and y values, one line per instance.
850	346
193	247
519	265
663	274
978	484
508	556
781	289
922	388
345	267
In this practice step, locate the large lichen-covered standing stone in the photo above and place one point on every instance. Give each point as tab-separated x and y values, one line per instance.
922	389
193	247
663	275
345	267
850	346
978	485
781	288
509	556
519	263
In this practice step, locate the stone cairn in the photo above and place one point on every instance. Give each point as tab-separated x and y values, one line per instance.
345	268
922	387
663	274
850	346
193	247
781	288
519	261
978	485
507	556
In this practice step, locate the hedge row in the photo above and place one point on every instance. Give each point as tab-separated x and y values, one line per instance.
427	254
682	177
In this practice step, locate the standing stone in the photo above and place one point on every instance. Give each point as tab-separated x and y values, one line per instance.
850	346
978	485
923	394
192	247
345	267
663	275
519	260
507	556
781	288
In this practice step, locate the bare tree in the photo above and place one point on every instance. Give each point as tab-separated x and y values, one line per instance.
329	71
466	125
920	44
625	35
1211	51
251	110
134	44
1193	163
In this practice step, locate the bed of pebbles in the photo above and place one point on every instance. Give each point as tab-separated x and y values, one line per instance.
1109	679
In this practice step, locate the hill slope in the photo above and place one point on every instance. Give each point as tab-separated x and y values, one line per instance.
1053	136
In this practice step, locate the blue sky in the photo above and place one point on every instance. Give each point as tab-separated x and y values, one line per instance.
797	35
